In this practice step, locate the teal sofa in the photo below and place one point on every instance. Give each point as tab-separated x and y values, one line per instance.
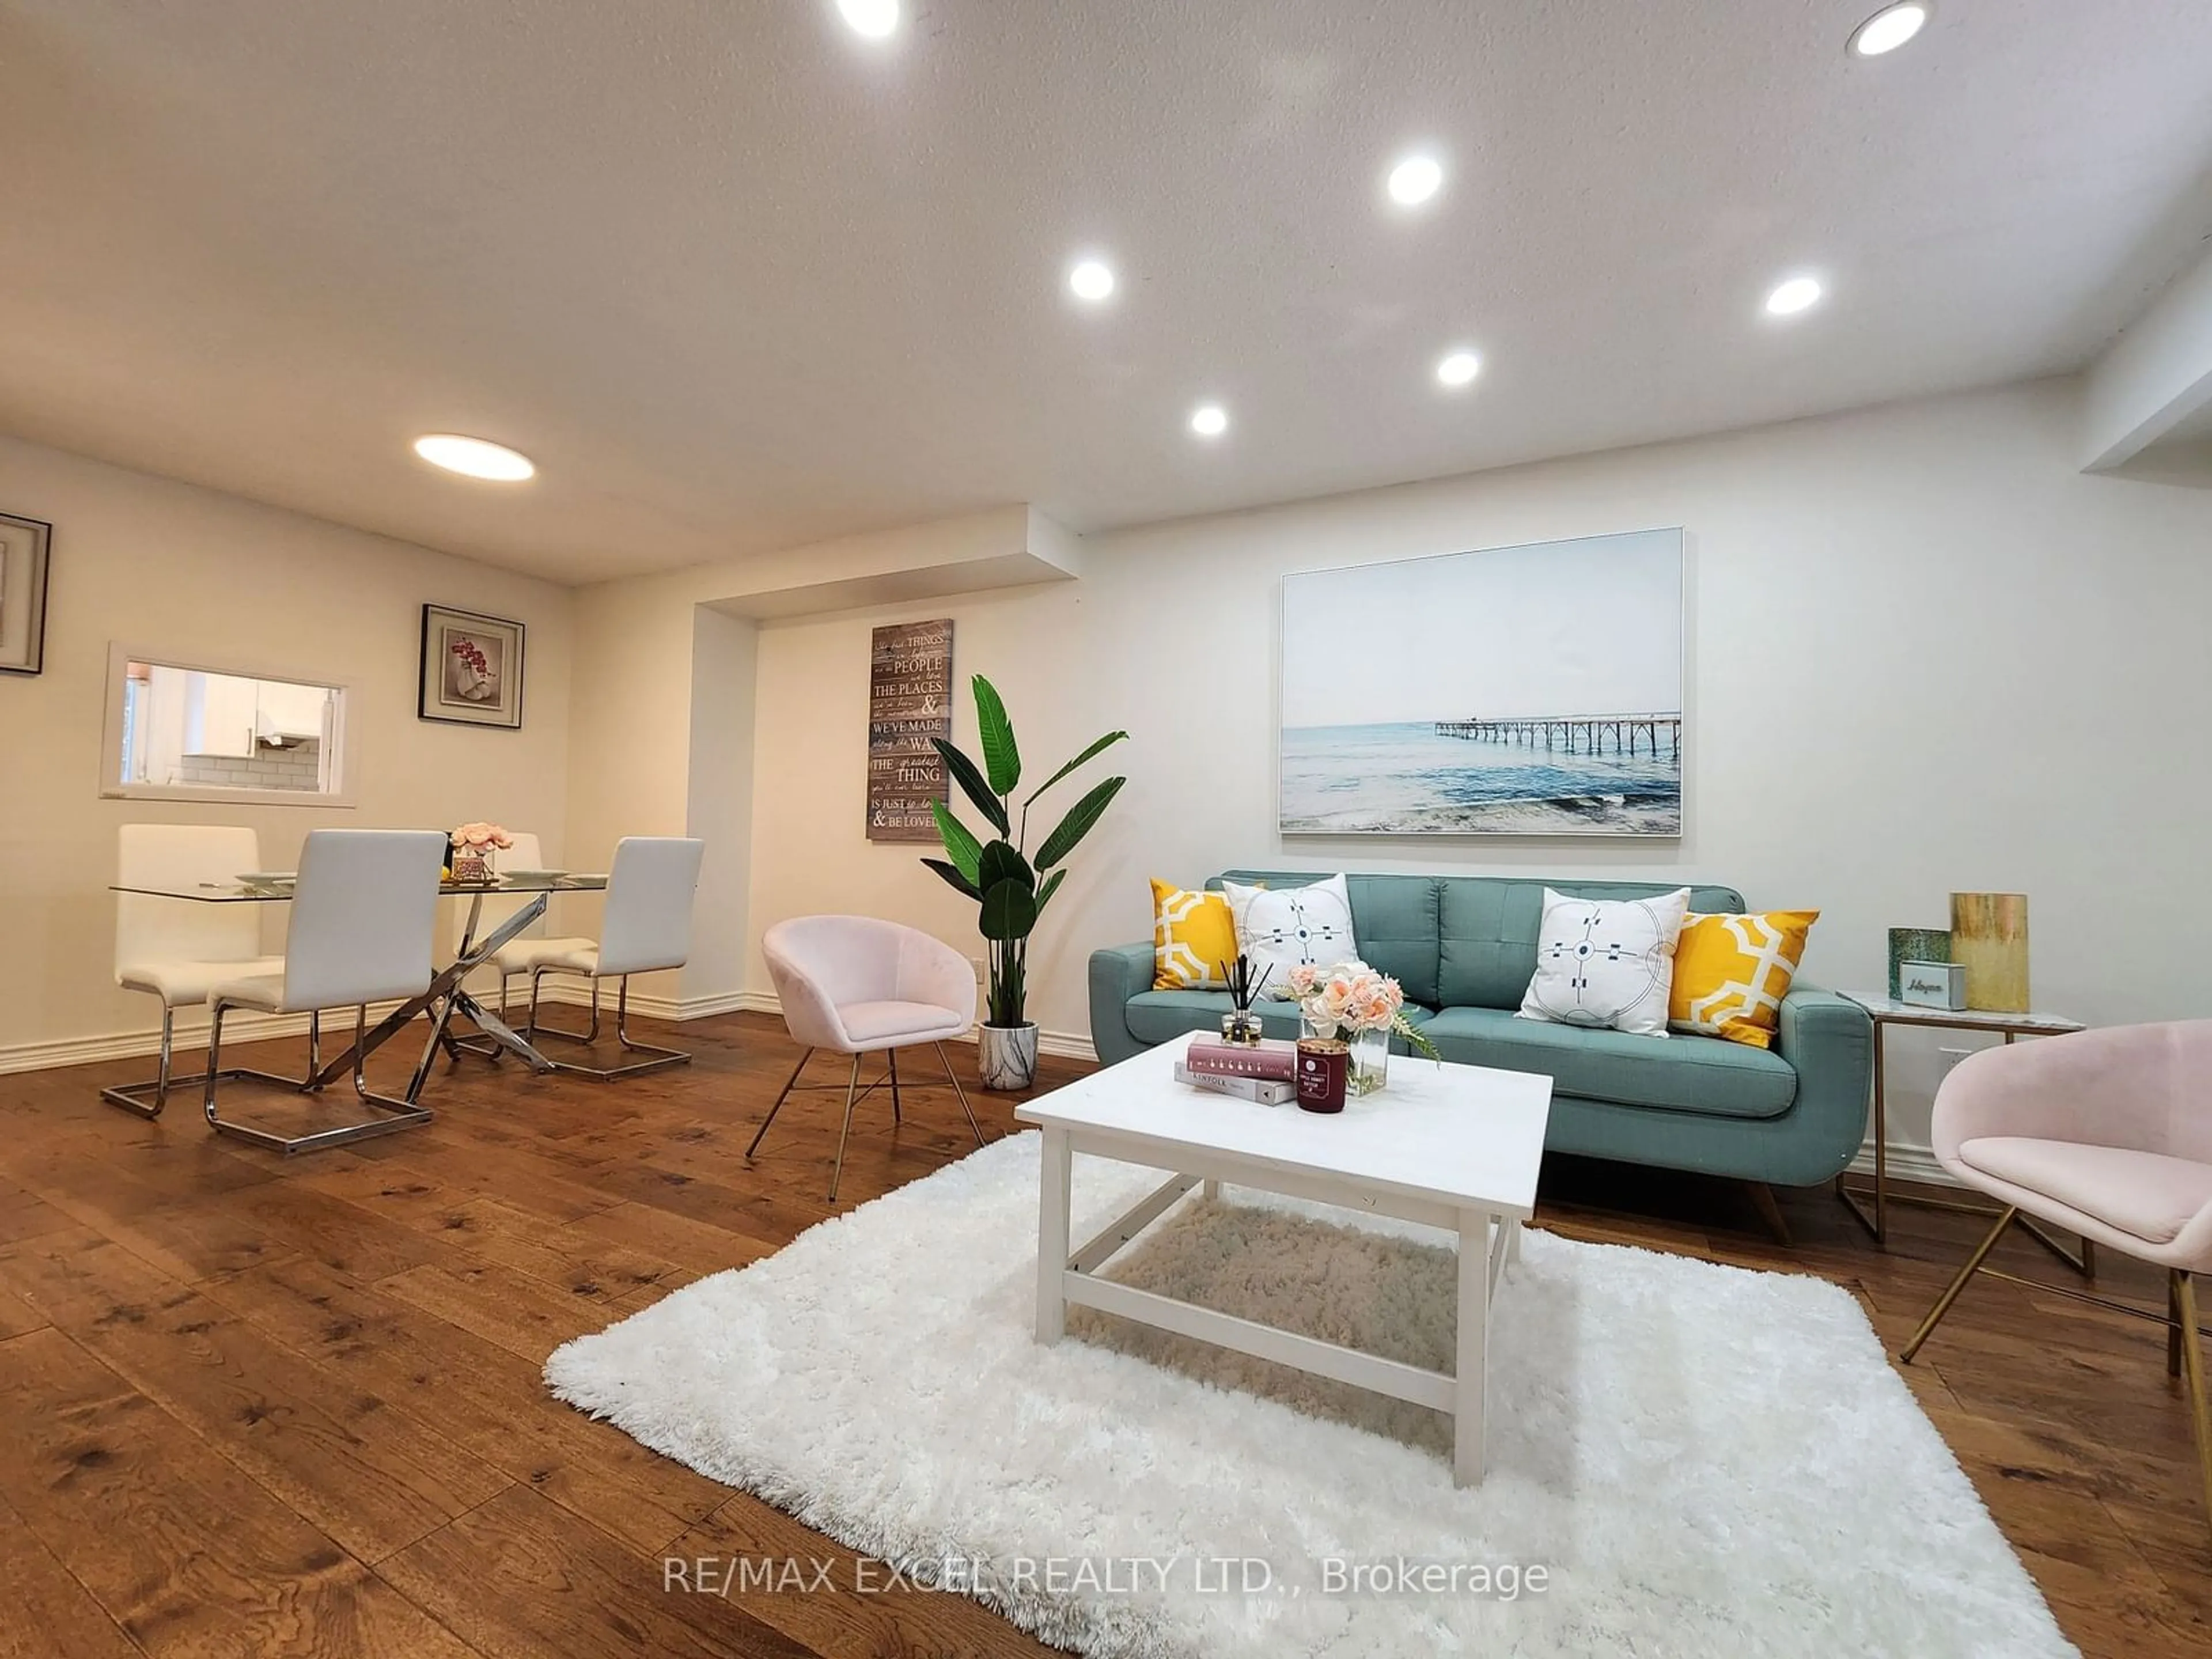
1464	948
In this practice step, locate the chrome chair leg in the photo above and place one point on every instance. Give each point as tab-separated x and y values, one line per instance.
838	1170
780	1097
976	1128
1951	1291
655	1058
404	1114
130	1096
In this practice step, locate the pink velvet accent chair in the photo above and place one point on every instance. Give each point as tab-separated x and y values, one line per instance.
2105	1133
854	985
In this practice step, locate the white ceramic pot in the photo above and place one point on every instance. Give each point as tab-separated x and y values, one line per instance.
1007	1055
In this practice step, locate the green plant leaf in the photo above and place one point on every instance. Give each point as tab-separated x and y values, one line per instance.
1009	911
957	882
1051	886
965	850
1077	824
1001	759
969	776
1000	862
1091	753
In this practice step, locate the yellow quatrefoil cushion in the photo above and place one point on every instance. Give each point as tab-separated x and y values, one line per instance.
1731	972
1193	934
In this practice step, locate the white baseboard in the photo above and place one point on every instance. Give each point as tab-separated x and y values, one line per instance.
192	1028
1907	1163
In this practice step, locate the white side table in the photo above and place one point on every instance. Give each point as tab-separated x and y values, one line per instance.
1886	1012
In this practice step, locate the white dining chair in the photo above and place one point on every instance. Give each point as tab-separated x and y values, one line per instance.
177	950
645	928
364	922
856	985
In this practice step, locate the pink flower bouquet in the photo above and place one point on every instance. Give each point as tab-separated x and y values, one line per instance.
1353	999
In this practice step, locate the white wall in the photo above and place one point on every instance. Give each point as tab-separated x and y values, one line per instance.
1927	654
170	568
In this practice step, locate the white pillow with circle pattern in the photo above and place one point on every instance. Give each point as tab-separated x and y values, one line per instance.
1607	962
1280	927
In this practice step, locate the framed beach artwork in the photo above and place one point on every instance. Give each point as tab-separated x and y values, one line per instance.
25	549
1532	691
471	669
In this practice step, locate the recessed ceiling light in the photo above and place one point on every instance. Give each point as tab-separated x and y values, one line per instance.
1889	28
1209	420
1414	179
1459	368
874	18
1091	279
475	458
1798	293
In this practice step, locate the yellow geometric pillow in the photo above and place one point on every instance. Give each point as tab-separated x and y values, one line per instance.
1730	973
1193	934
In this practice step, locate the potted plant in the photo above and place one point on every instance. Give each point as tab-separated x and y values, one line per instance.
1011	890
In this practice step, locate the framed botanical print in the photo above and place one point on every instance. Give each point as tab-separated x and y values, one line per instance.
471	669
25	547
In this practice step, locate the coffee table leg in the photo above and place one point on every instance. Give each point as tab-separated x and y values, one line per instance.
1470	1387
1052	1235
1512	1241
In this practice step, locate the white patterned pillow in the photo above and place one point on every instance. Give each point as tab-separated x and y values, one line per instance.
1607	962
1280	927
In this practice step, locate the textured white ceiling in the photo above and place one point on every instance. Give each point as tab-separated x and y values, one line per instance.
739	280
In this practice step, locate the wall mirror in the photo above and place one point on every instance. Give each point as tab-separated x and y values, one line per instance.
181	730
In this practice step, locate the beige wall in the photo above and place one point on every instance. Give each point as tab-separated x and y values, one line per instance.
168	567
1927	654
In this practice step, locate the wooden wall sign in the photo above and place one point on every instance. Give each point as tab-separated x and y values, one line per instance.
910	703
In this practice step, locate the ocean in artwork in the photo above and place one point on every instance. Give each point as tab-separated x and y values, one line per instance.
1410	778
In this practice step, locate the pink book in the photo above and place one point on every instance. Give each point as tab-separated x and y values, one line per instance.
1276	1058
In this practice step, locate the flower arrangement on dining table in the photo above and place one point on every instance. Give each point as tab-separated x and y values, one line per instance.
469	848
1366	1007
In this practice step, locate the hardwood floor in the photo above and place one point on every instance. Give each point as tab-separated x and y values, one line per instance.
261	1408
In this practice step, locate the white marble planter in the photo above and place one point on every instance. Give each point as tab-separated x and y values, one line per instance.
1007	1055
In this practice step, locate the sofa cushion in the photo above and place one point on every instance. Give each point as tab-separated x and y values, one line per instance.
1698	1074
1162	1016
1486	952
2149	1194
1394	921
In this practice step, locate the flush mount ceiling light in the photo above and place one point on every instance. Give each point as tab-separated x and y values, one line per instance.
1209	420
475	458
1459	368
1889	28
1798	293
1414	179
876	19
1091	279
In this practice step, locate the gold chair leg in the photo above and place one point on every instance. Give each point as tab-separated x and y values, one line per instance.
2173	1326
778	1106
837	1173
2192	1365
975	1128
1951	1291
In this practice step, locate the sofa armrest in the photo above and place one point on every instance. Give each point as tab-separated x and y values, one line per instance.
1118	972
1829	1040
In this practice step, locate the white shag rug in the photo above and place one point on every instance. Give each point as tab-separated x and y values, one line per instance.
1703	1461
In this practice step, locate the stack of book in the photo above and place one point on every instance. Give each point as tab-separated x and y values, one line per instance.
1267	1075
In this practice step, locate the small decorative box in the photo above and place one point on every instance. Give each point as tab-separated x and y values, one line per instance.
1932	984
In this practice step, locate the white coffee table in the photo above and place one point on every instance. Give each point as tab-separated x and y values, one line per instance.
1452	1147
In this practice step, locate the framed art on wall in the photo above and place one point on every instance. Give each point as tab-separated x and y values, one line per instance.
471	669
25	546
1533	690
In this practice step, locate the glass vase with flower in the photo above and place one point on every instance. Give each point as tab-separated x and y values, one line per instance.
470	847
1364	1009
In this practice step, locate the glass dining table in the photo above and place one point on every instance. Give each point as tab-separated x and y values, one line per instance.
447	993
